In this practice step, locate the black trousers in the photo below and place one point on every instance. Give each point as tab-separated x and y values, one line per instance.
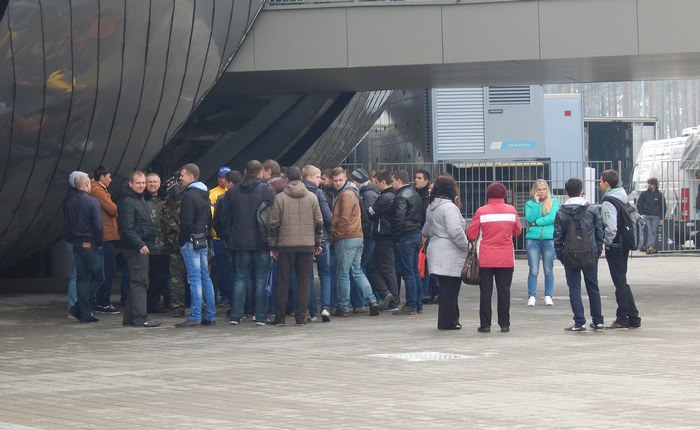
302	263
158	276
448	308
381	271
627	313
504	277
135	311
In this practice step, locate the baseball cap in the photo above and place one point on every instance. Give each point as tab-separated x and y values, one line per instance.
223	171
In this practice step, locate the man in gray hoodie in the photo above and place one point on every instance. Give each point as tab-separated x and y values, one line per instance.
627	315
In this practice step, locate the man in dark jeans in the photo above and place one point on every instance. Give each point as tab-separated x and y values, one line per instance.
137	235
652	205
83	228
627	315
408	218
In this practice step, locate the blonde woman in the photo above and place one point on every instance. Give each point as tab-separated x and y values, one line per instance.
540	212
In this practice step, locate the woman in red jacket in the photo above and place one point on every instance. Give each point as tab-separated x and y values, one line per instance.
497	222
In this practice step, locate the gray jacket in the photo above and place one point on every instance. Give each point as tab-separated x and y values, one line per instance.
609	213
447	249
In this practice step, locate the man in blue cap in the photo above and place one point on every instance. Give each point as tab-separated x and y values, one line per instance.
223	283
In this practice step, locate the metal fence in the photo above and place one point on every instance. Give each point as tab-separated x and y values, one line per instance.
518	176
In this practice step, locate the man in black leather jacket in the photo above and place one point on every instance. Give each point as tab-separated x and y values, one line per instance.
408	218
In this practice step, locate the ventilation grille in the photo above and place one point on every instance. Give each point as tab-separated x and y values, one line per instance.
428	156
458	124
508	96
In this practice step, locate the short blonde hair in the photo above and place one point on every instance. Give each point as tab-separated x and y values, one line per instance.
310	170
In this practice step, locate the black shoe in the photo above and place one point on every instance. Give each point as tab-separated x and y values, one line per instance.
74	313
453	327
616	325
597	327
505	329
419	310
373	309
340	313
128	324
188	323
484	329
386	301
635	322
109	309
576	328
208	322
301	322
278	321
325	315
89	319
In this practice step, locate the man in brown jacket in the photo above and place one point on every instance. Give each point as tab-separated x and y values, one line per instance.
296	230
346	234
102	178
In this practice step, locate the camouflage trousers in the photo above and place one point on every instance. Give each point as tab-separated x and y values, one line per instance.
179	289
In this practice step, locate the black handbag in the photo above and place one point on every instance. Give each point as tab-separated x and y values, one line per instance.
470	271
199	241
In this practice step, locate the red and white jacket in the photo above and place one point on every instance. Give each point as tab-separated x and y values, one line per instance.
498	222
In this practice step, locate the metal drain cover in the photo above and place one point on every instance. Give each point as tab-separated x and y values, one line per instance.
423	356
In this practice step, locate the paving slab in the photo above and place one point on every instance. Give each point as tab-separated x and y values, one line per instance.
362	372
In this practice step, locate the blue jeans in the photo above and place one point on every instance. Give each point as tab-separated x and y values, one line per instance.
248	262
200	283
73	282
573	280
348	253
537	249
409	244
323	267
88	263
652	228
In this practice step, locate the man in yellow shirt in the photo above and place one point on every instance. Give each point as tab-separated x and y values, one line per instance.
222	283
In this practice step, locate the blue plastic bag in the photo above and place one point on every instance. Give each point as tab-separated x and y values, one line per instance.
271	277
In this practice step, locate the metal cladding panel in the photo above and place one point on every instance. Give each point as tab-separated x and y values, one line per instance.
84	83
348	129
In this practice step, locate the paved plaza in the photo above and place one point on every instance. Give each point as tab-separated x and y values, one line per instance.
361	372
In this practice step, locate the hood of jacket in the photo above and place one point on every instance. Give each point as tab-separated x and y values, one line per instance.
350	186
574	205
617	193
438	202
295	189
250	183
198	185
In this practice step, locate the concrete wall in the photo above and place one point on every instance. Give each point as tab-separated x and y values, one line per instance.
543	41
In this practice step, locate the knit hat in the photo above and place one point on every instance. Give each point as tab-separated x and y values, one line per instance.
359	175
74	174
496	191
223	171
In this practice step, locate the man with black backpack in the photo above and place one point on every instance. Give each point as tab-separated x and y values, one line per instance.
242	204
617	248
578	242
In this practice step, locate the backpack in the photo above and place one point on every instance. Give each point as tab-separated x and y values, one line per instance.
364	213
579	252
630	225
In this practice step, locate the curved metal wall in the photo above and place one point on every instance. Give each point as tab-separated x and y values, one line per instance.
90	82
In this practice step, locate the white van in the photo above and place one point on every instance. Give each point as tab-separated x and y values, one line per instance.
673	162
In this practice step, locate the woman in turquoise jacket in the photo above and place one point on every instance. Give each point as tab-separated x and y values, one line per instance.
540	212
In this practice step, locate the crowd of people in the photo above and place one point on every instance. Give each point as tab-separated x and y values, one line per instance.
264	228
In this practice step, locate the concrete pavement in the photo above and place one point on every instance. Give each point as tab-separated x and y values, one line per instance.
386	372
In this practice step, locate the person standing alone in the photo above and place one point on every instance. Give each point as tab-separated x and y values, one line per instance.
652	205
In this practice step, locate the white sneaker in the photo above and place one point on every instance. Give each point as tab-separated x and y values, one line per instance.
531	301
548	301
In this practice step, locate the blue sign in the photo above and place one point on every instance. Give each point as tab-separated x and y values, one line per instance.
515	144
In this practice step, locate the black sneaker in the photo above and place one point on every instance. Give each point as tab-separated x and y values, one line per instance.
188	323
386	301
576	328
325	315
597	327
278	322
208	322
484	329
340	313
616	325
106	310
373	309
